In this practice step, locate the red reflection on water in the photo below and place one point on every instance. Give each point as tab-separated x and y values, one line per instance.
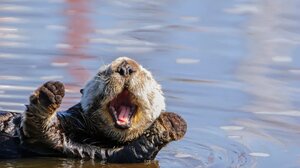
78	27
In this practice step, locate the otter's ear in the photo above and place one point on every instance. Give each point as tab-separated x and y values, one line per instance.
81	91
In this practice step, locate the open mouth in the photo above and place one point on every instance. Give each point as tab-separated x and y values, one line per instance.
122	109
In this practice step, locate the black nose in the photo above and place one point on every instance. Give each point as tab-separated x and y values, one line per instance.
125	69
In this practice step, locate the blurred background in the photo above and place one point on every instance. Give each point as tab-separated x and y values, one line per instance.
230	68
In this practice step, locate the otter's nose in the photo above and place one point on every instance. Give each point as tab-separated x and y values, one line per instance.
125	69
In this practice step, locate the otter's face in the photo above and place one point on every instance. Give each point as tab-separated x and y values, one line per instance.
122	100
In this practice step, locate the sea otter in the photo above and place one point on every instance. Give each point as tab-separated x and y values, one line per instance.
120	118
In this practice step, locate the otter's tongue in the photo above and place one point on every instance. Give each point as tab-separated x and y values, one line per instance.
124	114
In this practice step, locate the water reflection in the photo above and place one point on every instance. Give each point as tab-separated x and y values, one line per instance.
78	28
68	163
263	71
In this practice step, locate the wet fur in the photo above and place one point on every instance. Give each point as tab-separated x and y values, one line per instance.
87	130
107	84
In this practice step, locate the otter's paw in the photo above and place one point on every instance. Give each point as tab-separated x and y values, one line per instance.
174	125
49	95
166	128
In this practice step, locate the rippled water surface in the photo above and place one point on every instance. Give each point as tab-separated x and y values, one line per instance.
230	68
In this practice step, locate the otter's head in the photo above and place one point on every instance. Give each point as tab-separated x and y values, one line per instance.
122	100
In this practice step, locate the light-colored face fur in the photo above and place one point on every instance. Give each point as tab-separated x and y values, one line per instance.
145	92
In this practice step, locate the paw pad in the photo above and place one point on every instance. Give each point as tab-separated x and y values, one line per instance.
51	93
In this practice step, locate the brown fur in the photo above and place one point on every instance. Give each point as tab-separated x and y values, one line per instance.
90	121
146	91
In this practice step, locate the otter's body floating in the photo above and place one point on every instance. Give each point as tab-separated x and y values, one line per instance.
120	118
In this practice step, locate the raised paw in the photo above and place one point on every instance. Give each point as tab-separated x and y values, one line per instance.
49	95
174	125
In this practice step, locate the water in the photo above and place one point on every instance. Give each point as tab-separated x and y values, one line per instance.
230	68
